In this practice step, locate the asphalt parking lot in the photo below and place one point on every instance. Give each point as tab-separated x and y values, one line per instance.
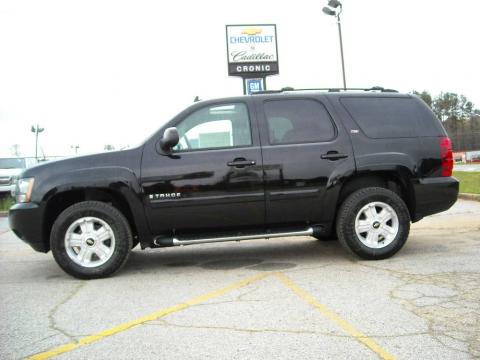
293	298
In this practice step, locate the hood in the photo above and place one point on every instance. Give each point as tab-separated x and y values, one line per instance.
125	158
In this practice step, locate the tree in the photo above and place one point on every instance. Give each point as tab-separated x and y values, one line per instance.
450	105
459	116
109	147
425	96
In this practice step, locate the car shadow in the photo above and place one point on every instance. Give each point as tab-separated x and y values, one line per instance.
260	255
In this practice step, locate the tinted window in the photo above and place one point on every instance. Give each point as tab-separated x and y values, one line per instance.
431	126
383	117
216	126
297	121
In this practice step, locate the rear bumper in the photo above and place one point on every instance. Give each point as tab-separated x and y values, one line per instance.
434	195
25	220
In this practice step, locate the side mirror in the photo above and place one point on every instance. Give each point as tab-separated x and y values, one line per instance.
170	139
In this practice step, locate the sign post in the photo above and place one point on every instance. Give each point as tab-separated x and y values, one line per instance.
252	54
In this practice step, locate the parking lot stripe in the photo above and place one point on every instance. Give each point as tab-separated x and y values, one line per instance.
153	316
324	310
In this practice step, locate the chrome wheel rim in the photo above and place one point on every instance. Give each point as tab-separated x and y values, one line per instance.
89	242
376	225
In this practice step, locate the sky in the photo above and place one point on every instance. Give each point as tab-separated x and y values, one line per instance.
93	73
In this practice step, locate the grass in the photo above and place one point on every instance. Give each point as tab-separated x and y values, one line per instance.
469	181
6	202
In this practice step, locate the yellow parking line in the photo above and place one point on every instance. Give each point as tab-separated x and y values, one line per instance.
153	316
347	327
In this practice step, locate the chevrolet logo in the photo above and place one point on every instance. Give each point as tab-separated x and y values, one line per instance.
251	31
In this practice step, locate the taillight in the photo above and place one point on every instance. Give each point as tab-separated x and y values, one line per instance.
447	156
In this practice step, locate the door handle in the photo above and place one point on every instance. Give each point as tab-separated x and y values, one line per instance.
333	155
241	163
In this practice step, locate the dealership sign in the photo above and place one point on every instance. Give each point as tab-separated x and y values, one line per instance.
252	50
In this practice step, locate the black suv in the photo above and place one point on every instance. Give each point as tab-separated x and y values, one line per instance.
360	165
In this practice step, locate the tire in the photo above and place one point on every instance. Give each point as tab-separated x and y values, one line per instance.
91	240
384	217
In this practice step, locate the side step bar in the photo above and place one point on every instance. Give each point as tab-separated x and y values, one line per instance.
173	241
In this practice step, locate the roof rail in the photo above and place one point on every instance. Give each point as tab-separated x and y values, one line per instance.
285	89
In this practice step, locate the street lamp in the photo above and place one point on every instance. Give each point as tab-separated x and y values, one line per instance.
334	8
37	130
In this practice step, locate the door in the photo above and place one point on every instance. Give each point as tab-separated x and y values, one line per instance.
305	153
213	179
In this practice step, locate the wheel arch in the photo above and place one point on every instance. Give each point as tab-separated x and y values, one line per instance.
399	180
120	197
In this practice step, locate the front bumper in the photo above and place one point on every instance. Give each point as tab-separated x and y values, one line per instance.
434	195
26	220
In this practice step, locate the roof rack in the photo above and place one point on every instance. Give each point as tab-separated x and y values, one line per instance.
285	89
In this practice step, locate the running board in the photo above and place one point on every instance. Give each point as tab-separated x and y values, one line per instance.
174	241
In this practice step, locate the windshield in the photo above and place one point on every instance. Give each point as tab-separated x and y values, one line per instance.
12	163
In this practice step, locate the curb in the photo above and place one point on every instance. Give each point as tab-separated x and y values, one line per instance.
467	196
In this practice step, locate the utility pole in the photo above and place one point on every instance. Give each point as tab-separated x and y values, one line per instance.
75	147
36	130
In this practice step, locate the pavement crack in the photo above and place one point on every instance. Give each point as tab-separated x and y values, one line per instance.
448	302
52	324
163	322
306	268
239	298
251	291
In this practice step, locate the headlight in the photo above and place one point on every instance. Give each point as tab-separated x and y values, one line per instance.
14	179
23	191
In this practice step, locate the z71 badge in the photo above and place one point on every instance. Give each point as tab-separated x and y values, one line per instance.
174	195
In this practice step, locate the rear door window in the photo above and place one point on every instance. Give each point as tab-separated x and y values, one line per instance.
295	121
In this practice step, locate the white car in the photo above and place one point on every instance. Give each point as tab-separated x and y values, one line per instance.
10	168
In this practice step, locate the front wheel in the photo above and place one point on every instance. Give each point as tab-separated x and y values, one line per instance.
373	223
91	240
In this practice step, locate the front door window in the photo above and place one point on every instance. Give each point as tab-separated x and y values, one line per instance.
215	126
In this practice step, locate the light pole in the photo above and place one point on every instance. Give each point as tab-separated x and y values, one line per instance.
334	8
36	130
75	147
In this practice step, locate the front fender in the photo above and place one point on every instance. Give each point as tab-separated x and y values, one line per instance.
120	181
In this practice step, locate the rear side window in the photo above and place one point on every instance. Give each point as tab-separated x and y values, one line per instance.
297	121
384	117
430	124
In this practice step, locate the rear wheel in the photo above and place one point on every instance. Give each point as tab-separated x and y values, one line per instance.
91	240
373	223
